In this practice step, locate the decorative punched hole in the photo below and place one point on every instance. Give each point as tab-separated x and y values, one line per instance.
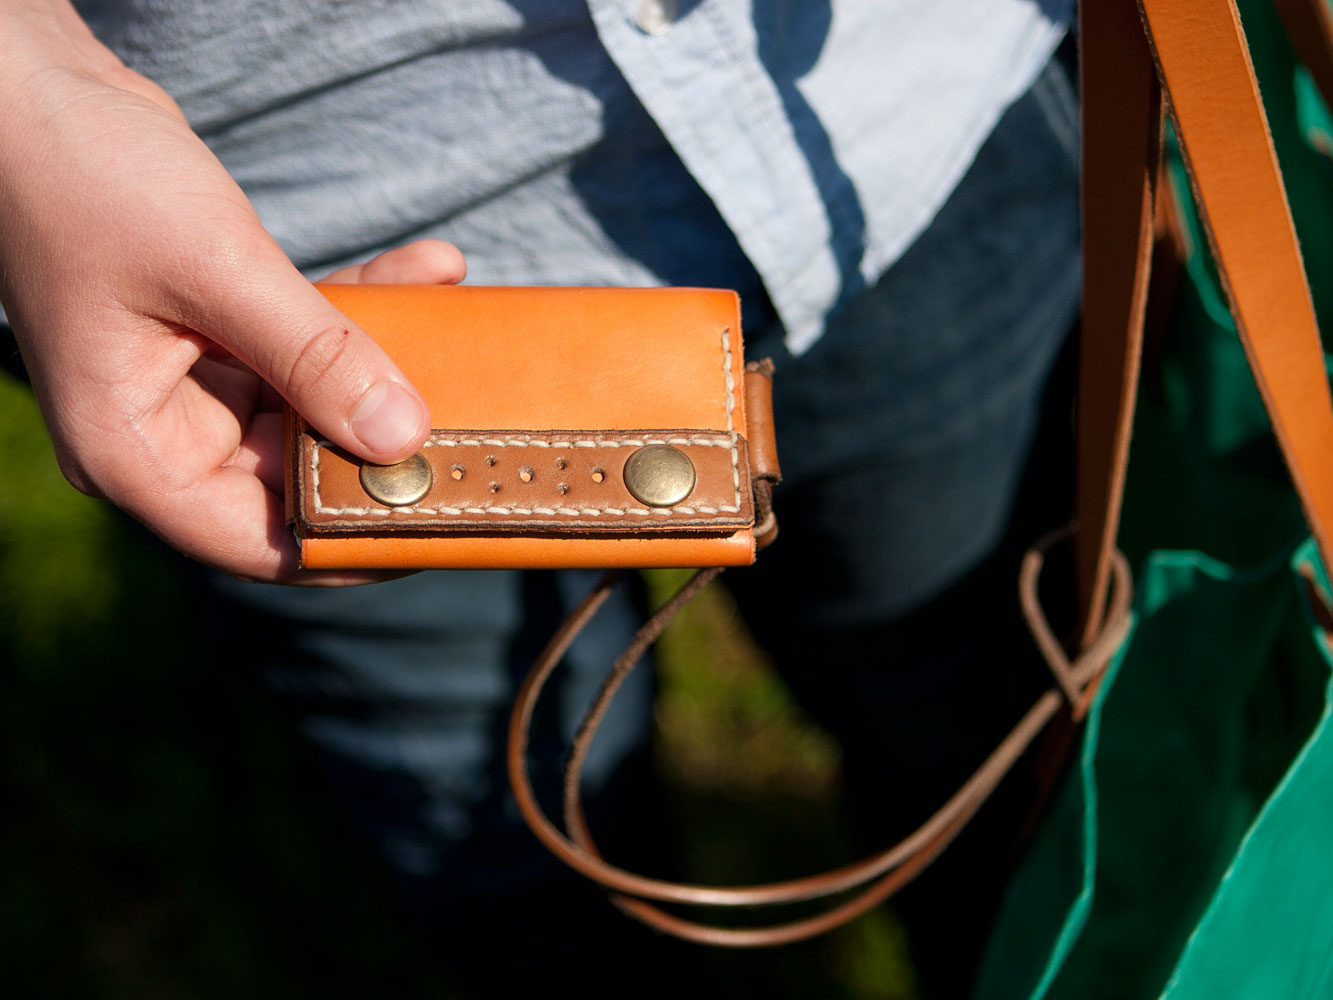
525	473
598	475
456	473
490	460
495	487
560	463
563	488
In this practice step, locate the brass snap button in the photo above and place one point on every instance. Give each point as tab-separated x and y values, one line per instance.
398	485
659	475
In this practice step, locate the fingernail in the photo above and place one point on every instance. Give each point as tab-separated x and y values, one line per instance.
388	418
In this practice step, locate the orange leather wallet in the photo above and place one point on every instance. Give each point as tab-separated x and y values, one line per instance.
573	427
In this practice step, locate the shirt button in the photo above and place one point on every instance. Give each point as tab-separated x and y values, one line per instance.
655	17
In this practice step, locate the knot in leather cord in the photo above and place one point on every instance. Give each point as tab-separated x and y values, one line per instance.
1077	680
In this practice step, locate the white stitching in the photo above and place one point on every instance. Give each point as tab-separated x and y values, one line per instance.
727	378
731	405
520	441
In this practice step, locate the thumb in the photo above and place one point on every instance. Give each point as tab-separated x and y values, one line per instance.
323	364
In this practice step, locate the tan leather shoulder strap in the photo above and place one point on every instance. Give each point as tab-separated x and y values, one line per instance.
1201	54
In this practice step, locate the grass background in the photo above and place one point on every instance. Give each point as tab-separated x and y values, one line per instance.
163	834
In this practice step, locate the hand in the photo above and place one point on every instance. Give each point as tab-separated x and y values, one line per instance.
157	318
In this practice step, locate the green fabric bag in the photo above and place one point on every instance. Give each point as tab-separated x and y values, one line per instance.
1167	860
1190	852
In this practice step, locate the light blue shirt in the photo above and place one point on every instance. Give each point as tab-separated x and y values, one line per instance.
792	149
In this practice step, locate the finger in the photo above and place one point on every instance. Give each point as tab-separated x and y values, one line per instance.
234	385
212	487
349	275
260	451
335	578
326	366
230	520
423	262
263	549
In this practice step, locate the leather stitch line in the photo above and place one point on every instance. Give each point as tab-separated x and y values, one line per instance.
729	382
522	442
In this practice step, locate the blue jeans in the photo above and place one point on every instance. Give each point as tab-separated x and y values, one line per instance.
888	599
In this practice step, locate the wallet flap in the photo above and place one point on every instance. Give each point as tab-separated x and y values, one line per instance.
560	358
584	379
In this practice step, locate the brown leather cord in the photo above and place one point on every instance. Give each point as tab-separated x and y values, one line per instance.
625	663
576	822
764	470
797	930
765	522
1078	681
877	877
